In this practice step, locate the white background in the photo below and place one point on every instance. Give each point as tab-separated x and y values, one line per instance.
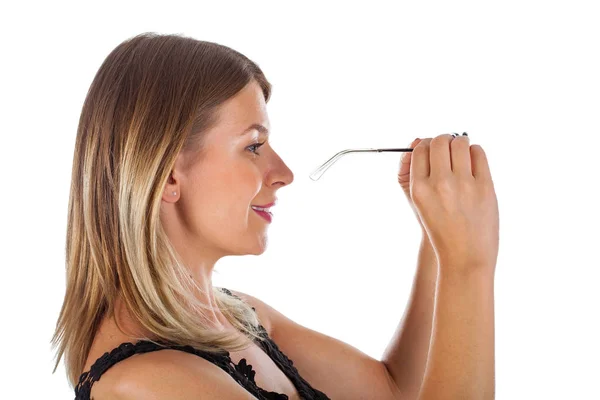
522	77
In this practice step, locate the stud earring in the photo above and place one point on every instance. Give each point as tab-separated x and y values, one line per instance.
174	193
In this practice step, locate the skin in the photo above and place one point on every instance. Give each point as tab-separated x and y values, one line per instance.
210	216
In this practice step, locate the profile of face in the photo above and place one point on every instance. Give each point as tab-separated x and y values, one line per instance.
210	216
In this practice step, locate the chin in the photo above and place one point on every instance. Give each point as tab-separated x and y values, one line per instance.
259	251
261	248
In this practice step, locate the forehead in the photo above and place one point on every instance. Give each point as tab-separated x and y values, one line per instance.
246	111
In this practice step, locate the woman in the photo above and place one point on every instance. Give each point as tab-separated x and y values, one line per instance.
167	174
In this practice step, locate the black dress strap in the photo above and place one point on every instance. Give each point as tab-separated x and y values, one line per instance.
305	390
242	373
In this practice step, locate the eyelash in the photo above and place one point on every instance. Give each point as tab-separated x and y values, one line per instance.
257	145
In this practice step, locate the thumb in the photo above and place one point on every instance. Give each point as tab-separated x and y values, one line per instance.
404	170
406	155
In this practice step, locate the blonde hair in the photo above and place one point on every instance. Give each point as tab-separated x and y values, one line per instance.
153	96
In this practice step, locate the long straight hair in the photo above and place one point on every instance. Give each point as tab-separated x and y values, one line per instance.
153	97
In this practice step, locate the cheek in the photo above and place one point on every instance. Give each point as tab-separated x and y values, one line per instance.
245	174
226	190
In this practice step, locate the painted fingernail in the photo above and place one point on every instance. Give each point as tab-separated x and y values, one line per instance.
454	134
465	134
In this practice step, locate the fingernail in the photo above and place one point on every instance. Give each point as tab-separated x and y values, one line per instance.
465	134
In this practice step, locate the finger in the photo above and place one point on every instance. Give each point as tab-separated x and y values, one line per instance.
419	163
461	156
404	169
439	155
406	156
481	167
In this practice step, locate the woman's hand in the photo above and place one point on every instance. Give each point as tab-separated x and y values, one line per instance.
404	181
452	192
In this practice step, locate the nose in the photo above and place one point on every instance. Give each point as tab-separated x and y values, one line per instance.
281	174
286	175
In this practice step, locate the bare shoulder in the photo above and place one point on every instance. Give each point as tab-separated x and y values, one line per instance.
169	374
263	310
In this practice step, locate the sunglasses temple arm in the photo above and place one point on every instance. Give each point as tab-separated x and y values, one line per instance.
402	150
317	173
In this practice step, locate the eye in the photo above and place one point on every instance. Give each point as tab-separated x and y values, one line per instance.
255	146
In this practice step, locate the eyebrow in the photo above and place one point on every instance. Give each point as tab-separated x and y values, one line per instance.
258	127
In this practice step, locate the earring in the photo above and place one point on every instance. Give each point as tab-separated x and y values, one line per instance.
174	193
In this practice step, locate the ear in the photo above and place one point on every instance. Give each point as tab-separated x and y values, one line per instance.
171	191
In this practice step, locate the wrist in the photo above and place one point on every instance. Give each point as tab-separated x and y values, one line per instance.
464	270
425	237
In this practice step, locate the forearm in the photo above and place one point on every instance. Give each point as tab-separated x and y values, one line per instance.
461	356
406	355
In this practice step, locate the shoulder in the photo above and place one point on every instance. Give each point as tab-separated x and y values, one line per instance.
168	374
263	310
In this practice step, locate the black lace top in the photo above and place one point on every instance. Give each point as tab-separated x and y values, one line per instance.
242	373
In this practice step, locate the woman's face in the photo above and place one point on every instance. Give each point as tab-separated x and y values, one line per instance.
211	213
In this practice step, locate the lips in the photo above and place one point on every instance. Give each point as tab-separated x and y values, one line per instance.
265	205
266	215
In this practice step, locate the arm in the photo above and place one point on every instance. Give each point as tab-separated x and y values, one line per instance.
332	366
461	356
406	354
